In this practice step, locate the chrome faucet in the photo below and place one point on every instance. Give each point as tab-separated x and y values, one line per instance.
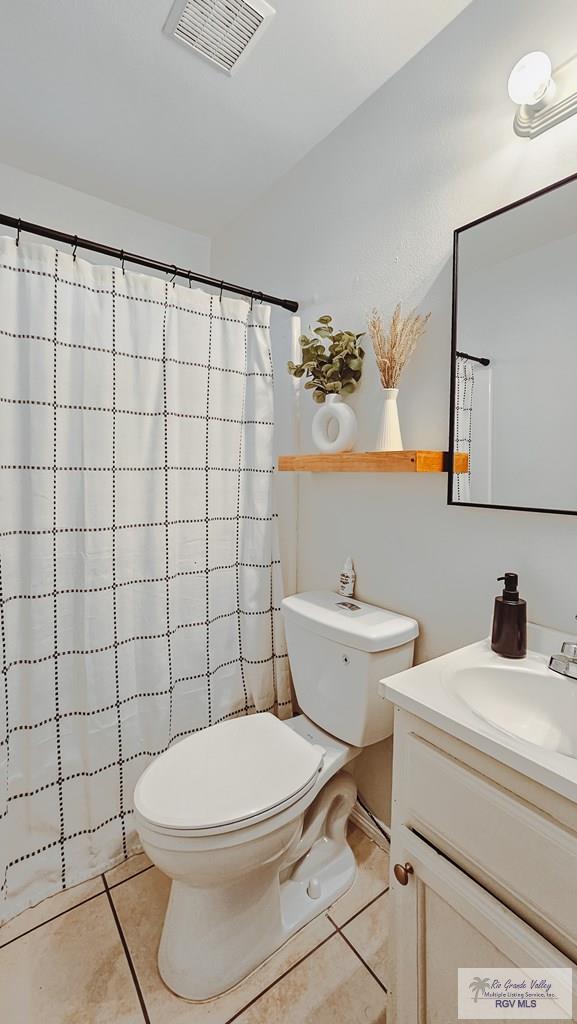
566	662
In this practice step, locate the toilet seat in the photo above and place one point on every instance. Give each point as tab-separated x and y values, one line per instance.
226	777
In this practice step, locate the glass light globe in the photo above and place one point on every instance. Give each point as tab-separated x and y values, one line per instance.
530	78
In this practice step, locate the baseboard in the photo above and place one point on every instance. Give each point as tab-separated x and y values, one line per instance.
363	820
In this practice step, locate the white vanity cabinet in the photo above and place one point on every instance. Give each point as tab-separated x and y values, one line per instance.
491	871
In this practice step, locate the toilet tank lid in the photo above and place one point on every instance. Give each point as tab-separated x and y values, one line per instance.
350	622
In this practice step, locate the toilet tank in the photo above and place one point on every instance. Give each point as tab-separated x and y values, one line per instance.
339	648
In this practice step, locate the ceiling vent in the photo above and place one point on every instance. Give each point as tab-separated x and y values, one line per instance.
221	31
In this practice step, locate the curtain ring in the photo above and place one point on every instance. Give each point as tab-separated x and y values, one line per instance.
75	248
18	229
251	300
189	275
122	260
173	274
261	297
221	287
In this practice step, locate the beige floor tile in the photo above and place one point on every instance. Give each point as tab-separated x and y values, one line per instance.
70	971
369	934
140	904
372	877
49	908
330	987
127	869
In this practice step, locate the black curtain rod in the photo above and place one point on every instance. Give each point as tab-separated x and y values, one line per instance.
474	359
142	261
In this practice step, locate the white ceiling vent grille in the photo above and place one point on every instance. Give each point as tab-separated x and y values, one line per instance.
220	30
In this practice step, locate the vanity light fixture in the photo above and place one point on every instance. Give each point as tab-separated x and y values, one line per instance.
543	97
530	79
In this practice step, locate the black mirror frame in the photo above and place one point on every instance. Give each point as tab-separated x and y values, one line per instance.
457	232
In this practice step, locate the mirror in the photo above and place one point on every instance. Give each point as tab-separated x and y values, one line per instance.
514	355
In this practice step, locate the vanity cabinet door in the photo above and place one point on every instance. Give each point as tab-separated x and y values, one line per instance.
510	847
443	920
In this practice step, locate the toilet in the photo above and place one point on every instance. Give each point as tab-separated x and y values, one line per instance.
249	817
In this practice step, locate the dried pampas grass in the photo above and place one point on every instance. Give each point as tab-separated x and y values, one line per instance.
393	350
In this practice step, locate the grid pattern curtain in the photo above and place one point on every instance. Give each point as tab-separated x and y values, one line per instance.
140	583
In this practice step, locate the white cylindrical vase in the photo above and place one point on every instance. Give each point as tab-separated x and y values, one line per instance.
389	437
334	412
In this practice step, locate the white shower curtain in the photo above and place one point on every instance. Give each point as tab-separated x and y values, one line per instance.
140	583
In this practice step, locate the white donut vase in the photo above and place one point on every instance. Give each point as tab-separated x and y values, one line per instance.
333	413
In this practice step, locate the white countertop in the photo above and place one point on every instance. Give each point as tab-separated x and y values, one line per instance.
428	692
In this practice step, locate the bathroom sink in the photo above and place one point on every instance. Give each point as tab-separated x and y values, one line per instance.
523	702
518	712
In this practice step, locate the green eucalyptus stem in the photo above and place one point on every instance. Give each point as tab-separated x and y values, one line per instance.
333	371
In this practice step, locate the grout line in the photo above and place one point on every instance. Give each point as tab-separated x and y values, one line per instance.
364	962
113	885
74	905
281	977
49	919
127	953
357	912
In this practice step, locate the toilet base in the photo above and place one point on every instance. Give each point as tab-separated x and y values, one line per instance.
297	910
298	907
215	936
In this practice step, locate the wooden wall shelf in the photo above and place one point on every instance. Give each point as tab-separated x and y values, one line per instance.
373	462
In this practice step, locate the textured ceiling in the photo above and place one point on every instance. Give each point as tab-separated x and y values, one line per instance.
96	97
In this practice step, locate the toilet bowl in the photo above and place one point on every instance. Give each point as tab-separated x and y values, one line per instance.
248	817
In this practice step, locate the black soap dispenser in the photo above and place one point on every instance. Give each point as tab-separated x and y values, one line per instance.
509	638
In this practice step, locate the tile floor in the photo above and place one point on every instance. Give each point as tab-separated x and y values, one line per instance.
88	956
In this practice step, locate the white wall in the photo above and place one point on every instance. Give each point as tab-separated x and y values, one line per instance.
367	218
55	206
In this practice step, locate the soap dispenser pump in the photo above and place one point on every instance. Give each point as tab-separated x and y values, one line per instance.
509	638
